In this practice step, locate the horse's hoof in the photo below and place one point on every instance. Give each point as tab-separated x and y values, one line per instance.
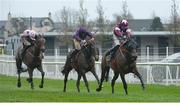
143	88
19	84
28	80
98	89
40	86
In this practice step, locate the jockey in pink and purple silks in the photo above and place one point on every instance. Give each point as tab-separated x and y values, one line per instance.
27	39
121	32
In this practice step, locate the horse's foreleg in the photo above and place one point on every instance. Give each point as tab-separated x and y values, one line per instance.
107	73
86	82
65	80
42	75
140	77
78	82
30	79
102	79
19	79
18	65
113	81
95	75
124	82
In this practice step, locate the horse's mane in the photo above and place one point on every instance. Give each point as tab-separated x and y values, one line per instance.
87	52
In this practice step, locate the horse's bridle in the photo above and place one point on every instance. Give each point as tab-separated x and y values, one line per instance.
88	43
124	50
37	46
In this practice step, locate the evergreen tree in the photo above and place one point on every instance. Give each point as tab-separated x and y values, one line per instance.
157	24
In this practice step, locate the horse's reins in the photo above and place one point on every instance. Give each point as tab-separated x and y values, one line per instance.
85	46
34	44
125	50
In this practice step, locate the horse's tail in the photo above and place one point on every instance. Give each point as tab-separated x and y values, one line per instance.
104	72
105	66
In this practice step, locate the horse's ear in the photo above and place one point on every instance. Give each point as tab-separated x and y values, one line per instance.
94	33
41	34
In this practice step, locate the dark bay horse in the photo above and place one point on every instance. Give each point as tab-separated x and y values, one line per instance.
124	62
33	59
83	62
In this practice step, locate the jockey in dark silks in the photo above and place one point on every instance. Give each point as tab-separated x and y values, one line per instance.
79	39
121	33
27	39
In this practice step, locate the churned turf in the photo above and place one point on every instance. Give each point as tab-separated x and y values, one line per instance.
52	92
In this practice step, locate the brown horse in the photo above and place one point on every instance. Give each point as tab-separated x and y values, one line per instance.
124	62
33	59
83	62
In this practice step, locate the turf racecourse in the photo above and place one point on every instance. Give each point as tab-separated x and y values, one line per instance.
52	92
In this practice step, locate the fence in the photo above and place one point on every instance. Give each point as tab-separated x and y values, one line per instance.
152	73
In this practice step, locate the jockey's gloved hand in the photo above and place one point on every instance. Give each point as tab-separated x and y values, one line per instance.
124	37
83	42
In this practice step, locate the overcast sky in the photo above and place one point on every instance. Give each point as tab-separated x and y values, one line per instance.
140	9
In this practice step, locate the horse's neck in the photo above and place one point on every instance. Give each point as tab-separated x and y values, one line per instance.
87	54
122	53
35	51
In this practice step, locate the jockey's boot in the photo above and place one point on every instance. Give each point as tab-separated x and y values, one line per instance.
73	54
113	51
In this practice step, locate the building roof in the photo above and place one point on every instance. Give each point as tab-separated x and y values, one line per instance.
57	26
140	24
2	23
36	20
2	27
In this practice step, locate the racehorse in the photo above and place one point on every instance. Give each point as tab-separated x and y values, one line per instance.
83	62
124	62
32	59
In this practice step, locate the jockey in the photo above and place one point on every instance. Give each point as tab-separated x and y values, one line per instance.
80	38
27	39
121	33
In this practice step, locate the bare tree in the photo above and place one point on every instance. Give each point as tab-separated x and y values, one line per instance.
73	19
117	17
174	26
174	15
64	18
153	15
100	18
83	14
68	19
125	13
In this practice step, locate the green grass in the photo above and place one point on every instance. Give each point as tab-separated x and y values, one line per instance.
52	92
